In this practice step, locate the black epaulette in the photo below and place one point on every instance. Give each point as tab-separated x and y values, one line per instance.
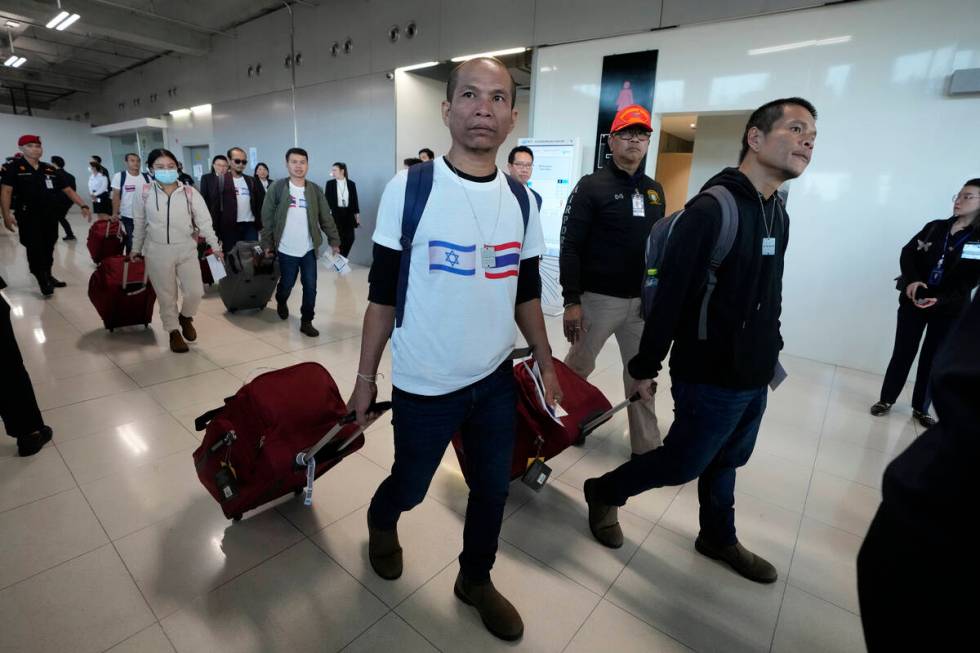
46	168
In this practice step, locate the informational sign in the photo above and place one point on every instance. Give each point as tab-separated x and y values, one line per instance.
626	79
557	167
253	158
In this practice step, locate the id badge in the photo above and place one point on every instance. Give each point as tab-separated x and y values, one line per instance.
48	183
536	475
768	246
638	210
488	256
971	251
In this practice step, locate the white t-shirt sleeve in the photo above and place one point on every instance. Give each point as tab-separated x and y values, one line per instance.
388	232
534	235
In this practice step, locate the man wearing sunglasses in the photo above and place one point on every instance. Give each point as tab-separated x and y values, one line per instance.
241	206
603	236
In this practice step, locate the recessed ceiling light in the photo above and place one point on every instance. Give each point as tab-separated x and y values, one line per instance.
694	125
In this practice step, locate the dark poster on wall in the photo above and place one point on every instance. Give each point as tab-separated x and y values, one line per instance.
626	79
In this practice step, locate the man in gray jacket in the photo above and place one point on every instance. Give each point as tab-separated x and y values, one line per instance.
293	215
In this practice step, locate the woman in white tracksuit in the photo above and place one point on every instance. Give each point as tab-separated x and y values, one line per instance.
166	220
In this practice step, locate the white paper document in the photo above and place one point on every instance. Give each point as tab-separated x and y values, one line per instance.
558	412
217	268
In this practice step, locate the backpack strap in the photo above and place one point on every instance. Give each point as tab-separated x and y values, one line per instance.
723	246
520	192
188	197
418	187
537	197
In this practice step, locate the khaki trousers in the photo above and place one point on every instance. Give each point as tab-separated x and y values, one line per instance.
604	316
166	265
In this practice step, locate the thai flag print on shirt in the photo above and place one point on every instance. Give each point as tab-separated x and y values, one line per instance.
507	261
450	257
297	202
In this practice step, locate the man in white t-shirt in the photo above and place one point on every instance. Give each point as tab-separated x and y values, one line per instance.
240	206
127	185
294	214
473	271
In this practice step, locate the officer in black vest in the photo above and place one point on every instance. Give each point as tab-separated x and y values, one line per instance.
30	187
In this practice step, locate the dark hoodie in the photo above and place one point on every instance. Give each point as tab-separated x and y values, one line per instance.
932	484
743	317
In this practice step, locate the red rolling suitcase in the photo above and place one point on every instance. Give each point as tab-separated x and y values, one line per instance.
203	251
105	239
539	436
121	293
274	436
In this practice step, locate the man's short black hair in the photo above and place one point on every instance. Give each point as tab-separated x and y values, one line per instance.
426	150
297	150
766	116
129	154
58	161
232	149
410	161
520	148
454	78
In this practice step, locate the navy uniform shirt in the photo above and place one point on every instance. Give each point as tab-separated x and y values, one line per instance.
35	189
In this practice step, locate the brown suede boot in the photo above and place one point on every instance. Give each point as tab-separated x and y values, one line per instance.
177	344
307	329
498	614
740	559
385	552
603	518
187	328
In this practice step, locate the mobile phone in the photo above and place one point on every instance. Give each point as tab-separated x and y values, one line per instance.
921	293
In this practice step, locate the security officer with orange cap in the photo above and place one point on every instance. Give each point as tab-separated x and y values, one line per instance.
28	190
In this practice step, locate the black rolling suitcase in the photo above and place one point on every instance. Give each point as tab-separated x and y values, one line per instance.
251	277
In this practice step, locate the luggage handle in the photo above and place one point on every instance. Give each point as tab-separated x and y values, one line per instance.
125	280
303	457
591	423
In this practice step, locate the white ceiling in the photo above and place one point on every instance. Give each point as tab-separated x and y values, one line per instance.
679	125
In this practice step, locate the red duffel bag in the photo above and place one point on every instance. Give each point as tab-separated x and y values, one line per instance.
121	292
274	436
539	436
105	239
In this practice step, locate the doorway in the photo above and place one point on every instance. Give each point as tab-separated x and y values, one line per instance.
197	157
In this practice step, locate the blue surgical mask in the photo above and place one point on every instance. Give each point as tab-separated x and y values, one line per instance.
165	177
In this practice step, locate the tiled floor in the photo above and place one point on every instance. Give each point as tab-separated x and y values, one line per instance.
107	540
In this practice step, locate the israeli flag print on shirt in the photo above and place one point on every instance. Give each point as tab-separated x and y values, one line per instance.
507	261
450	257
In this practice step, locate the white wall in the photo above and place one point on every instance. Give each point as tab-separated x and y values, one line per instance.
716	146
193	129
418	102
889	155
72	141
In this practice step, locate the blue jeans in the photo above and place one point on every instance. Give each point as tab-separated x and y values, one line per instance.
713	434
305	268
128	240
485	414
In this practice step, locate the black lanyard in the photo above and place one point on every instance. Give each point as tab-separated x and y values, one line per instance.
936	277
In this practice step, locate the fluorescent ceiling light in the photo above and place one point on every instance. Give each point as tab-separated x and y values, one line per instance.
180	113
694	125
69	21
20	62
427	64
201	108
11	60
800	44
495	53
57	19
12	24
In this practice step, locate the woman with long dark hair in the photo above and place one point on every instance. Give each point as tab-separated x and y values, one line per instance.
940	269
341	195
262	174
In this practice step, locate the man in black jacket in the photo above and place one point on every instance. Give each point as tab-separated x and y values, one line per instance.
212	185
603	238
239	213
908	601
64	202
718	383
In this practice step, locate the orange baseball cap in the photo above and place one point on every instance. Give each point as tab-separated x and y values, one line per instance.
27	139
631	116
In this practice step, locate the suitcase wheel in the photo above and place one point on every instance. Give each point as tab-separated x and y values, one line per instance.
232	310
580	441
236	517
298	491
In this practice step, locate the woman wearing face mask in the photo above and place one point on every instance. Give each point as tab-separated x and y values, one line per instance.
166	220
262	174
98	188
940	269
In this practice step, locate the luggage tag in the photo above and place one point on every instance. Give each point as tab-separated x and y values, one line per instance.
638	210
227	481
768	246
971	251
538	472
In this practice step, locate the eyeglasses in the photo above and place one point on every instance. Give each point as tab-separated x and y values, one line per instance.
523	165
630	134
965	196
240	162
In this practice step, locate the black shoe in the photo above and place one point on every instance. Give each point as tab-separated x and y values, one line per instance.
69	237
881	408
282	310
46	288
740	559
57	283
28	445
925	419
603	518
497	613
384	552
307	329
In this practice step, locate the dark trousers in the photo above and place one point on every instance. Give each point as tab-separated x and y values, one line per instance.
912	322
38	234
63	220
128	239
917	585
713	434
305	267
242	231
346	224
485	415
18	406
